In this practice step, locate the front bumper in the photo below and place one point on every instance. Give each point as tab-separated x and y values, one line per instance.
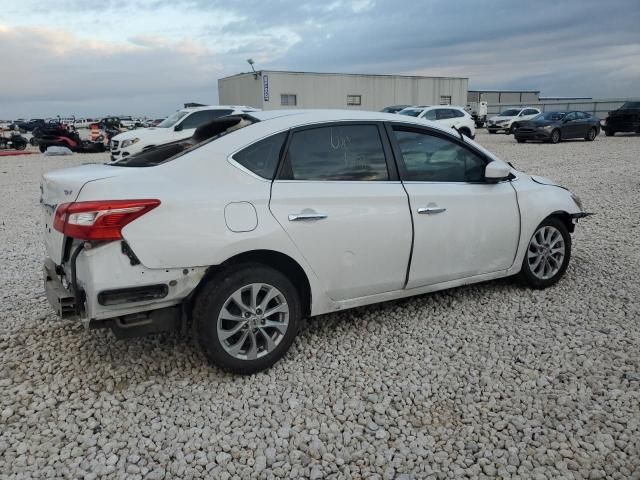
497	127
532	134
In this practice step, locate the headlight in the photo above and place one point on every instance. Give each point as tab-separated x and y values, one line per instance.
128	143
578	201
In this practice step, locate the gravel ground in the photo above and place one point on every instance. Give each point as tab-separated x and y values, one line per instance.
490	380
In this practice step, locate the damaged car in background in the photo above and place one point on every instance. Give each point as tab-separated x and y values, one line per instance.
261	219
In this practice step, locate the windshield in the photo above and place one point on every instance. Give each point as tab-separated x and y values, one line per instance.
410	112
512	112
550	116
172	119
629	105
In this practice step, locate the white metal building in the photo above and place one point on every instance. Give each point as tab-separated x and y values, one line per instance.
270	89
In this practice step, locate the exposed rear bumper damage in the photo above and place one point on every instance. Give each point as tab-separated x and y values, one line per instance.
105	289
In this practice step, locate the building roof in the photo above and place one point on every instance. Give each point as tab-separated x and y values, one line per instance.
260	72
502	91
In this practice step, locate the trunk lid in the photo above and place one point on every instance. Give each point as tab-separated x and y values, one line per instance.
63	186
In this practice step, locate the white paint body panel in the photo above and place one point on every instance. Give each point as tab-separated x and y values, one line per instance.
477	233
362	246
358	255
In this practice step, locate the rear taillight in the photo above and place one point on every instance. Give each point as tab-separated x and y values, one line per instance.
101	219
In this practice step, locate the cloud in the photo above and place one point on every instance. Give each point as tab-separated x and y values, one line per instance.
150	56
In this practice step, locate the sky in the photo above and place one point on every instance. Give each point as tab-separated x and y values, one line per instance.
148	57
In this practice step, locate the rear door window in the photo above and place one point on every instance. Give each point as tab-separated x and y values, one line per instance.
430	115
262	157
337	152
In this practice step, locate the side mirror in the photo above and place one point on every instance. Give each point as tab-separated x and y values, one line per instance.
177	128
496	171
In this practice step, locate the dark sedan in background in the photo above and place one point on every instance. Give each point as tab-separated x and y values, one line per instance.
624	119
555	126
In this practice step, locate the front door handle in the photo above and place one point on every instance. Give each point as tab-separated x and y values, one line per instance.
301	217
431	210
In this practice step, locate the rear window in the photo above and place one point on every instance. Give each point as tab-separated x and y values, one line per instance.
262	157
203	135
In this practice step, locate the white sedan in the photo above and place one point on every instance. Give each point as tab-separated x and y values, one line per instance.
262	219
446	116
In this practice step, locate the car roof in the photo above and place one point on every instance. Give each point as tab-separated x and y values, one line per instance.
285	119
219	107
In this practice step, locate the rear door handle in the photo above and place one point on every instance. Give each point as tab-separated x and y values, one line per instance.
431	210
302	217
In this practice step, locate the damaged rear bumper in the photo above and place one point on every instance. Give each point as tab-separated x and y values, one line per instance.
61	299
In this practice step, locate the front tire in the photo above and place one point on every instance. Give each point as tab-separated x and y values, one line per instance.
609	133
520	140
591	134
548	254
247	317
513	128
555	136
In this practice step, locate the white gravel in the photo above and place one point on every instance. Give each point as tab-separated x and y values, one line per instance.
482	381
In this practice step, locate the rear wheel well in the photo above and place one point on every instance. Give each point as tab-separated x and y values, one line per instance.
276	260
565	218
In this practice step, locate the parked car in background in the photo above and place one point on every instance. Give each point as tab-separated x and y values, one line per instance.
82	122
556	126
178	126
6	124
394	108
130	122
446	115
156	122
269	217
28	125
624	119
510	119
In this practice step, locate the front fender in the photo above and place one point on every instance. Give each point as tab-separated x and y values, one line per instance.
537	202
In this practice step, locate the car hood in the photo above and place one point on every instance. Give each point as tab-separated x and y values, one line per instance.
145	134
544	181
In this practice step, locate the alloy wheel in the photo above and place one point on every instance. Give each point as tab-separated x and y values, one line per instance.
253	321
546	252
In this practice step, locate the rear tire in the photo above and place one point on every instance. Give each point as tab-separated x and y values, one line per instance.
520	140
548	254
591	134
492	131
42	147
231	320
609	133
